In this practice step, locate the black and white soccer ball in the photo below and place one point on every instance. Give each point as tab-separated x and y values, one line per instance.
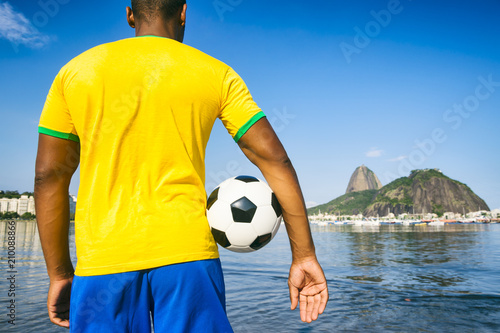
244	214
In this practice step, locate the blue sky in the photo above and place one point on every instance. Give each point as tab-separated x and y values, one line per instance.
395	85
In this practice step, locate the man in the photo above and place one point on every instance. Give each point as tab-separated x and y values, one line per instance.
137	114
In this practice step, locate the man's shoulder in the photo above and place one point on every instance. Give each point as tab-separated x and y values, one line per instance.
87	57
138	47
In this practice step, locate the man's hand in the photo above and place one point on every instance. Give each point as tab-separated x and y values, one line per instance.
307	285
58	301
307	282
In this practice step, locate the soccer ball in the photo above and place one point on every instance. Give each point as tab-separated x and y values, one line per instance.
243	213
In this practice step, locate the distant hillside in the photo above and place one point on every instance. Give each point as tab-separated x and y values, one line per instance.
424	191
363	179
349	204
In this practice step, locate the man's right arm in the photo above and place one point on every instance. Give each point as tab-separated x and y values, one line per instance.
306	282
56	161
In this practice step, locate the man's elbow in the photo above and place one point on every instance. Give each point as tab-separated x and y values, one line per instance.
42	177
45	177
283	159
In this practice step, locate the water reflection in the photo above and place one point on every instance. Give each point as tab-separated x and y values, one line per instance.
26	235
427	256
381	278
31	279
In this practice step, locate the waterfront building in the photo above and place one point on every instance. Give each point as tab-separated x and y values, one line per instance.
4	205
31	205
24	204
9	205
477	214
451	216
13	205
72	204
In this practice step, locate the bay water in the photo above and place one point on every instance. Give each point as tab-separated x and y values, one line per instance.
388	278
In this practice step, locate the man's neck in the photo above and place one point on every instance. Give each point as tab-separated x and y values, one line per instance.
160	30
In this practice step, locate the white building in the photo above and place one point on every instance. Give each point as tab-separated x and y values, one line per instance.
4	205
451	215
25	204
22	204
72	204
13	205
31	205
477	214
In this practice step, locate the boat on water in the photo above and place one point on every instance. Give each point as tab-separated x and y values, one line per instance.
450	221
421	224
368	222
436	223
365	222
394	221
411	222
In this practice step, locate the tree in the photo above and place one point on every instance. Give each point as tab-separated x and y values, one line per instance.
9	215
10	194
438	210
28	216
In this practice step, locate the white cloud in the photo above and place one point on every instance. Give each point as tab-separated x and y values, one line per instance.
399	158
310	204
374	152
17	29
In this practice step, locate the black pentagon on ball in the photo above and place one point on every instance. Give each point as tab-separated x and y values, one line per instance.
261	241
212	198
276	206
243	210
220	237
247	179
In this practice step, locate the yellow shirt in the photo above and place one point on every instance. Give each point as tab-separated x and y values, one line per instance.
142	110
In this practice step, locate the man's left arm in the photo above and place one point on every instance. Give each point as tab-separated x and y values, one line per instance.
56	162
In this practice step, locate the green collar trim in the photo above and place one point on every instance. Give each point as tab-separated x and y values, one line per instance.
149	36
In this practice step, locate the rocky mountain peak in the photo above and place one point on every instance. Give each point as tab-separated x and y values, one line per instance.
363	179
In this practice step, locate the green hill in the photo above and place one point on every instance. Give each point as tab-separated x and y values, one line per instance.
349	204
424	191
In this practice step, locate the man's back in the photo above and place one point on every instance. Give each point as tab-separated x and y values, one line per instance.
142	109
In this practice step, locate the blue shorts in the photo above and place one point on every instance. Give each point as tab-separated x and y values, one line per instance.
187	297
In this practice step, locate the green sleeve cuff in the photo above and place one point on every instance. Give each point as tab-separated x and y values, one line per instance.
60	135
247	126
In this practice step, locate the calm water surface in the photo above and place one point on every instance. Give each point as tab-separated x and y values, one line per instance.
381	279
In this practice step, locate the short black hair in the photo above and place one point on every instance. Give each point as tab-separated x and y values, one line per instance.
148	10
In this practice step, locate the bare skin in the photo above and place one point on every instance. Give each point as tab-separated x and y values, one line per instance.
306	281
58	159
173	29
56	162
